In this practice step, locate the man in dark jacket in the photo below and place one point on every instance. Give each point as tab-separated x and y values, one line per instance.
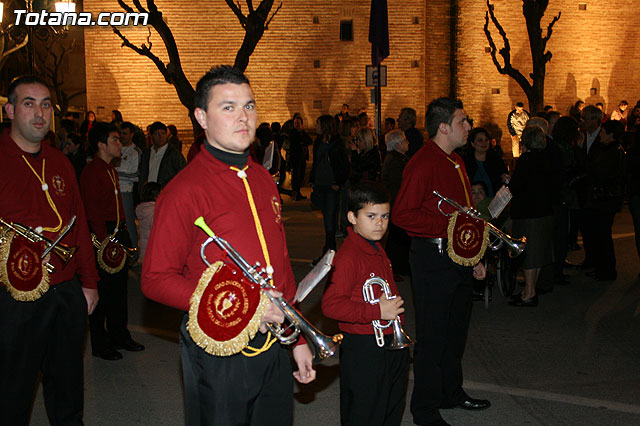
161	162
600	192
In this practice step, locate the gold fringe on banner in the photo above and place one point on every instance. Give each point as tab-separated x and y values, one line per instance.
208	343
19	295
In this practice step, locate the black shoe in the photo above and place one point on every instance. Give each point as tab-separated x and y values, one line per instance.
563	280
532	302
474	404
591	273
130	345
108	354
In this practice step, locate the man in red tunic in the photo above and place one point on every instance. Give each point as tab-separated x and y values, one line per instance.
442	288
38	189
100	189
240	203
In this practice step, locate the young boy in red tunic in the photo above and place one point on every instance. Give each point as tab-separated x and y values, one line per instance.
373	379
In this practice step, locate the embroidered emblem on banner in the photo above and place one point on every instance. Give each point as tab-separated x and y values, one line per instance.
467	239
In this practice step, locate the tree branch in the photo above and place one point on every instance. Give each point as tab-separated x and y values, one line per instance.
505	52
266	25
550	30
238	11
144	51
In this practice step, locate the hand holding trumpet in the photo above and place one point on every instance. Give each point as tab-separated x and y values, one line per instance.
390	308
273	314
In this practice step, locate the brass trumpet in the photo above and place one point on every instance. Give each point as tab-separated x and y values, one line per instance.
130	252
323	346
64	252
400	339
516	245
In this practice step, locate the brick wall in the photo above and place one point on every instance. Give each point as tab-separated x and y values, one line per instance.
592	48
281	69
597	47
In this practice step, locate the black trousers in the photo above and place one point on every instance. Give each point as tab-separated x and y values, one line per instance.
596	227
326	198
442	293
45	336
373	382
397	249
111	309
236	390
298	169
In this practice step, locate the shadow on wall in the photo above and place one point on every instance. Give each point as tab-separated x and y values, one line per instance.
620	73
494	123
110	83
594	94
569	95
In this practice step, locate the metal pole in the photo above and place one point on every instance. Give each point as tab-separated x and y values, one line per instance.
378	105
30	44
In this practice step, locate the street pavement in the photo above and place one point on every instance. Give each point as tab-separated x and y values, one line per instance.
573	360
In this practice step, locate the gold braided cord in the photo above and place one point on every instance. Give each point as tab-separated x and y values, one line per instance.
43	182
115	191
263	243
257	351
466	192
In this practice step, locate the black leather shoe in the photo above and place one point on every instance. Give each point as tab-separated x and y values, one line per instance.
591	273
532	302
131	346
108	354
474	404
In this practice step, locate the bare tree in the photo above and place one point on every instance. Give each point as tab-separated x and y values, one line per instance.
50	58
533	11
254	23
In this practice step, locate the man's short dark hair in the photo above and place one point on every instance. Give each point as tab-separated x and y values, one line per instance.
157	125
128	125
367	192
440	110
409	114
391	121
19	81
222	74
99	133
520	104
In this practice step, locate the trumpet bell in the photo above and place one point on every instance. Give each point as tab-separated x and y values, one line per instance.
64	252
401	339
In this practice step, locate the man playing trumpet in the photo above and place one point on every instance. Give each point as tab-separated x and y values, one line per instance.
240	203
100	190
42	328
